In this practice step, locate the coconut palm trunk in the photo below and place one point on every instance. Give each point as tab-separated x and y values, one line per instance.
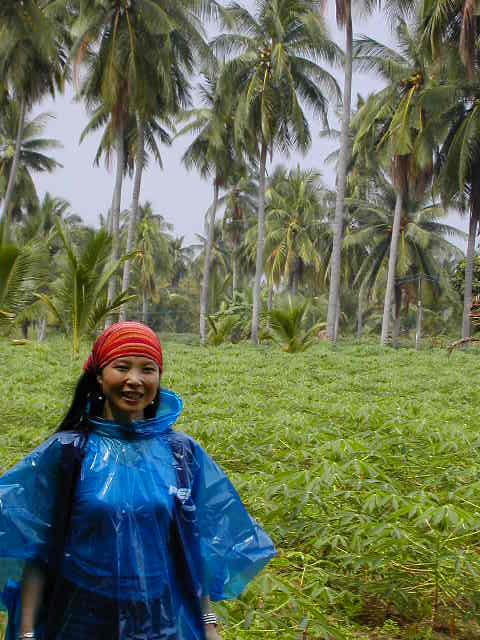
392	265
334	291
206	267
396	317
134	208
467	295
145	306
115	213
360	308
234	273
260	244
14	168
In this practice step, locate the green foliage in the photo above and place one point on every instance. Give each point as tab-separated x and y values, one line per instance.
288	325
458	277
362	465
79	297
221	330
21	271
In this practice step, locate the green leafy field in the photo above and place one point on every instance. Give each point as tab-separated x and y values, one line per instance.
363	465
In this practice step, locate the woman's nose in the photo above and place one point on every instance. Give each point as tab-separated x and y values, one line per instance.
134	377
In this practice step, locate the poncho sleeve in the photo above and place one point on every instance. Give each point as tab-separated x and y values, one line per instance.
27	503
233	546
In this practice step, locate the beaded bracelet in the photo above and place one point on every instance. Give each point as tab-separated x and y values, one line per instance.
209	618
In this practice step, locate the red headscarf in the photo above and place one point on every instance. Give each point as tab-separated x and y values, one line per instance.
124	339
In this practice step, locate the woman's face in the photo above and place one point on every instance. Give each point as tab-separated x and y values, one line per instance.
129	385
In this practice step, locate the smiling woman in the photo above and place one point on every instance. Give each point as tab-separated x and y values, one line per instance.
118	527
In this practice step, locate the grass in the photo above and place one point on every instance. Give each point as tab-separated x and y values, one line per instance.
362	463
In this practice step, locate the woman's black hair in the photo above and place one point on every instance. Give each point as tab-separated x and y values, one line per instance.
88	401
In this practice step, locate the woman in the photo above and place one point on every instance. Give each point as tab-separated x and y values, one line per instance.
117	527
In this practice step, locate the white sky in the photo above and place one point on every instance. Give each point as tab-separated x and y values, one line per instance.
180	196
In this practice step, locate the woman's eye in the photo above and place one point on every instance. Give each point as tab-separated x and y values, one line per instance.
150	370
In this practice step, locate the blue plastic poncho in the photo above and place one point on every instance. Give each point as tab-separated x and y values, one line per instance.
154	526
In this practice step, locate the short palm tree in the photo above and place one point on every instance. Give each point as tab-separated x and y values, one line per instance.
21	273
78	299
273	69
288	324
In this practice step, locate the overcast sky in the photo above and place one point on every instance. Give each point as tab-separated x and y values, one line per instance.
180	196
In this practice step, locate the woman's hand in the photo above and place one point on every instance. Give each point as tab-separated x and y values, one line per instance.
211	632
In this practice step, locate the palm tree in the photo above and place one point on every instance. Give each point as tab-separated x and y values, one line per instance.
171	62
344	20
423	245
273	69
21	273
293	223
32	156
152	241
181	258
78	299
394	123
152	130
40	223
458	169
213	154
240	206
446	22
33	62
135	66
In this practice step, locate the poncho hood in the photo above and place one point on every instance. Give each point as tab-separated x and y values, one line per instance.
169	410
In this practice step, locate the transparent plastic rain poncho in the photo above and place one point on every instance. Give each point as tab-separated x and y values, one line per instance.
155	525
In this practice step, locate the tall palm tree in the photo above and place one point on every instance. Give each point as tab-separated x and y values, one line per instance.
272	69
32	156
458	168
171	63
343	10
395	124
212	153
132	68
33	62
152	131
240	206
